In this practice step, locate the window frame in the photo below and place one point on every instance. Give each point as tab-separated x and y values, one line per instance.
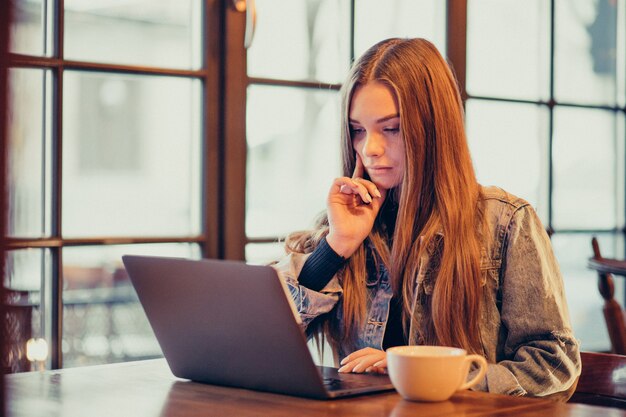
215	54
551	103
5	13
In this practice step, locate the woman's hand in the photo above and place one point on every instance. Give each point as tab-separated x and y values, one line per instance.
352	204
365	360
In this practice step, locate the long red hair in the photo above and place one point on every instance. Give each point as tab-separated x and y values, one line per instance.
437	199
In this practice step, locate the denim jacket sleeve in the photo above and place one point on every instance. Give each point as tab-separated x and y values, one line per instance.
310	303
540	355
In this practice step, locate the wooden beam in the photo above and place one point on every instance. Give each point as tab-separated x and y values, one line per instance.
456	41
234	138
5	20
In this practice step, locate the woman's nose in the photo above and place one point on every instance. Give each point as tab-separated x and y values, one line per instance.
374	145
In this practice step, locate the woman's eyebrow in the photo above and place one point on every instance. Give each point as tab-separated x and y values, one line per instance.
384	119
381	120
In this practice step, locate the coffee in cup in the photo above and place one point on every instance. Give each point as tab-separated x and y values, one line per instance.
432	373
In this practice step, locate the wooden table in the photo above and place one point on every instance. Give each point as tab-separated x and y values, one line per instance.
148	389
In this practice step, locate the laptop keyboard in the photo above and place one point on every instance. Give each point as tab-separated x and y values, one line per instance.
332	381
346	382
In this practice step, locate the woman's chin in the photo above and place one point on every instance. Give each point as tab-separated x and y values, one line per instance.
385	183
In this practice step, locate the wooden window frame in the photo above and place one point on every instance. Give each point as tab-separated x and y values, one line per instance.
218	104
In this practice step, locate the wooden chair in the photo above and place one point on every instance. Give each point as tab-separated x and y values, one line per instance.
602	381
613	312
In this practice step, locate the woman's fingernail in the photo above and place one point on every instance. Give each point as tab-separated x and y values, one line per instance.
368	198
377	193
342	369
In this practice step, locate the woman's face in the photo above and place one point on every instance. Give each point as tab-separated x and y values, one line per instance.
375	131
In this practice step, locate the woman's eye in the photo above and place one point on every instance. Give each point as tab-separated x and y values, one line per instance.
392	130
356	130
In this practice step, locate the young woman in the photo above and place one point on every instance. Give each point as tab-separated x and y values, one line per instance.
412	250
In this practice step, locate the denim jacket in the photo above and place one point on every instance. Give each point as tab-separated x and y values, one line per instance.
525	328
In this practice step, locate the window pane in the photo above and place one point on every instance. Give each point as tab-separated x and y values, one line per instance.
585	169
585	51
376	20
103	321
293	156
27	272
508	51
29	155
301	40
581	285
509	144
620	57
264	253
131	155
163	33
27	27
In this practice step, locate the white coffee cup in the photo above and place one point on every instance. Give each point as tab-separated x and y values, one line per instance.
432	373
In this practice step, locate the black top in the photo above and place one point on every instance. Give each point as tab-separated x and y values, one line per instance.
394	333
320	267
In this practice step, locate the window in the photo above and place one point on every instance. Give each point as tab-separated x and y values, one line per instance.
111	113
545	119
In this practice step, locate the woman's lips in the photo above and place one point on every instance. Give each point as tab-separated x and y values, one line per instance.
378	170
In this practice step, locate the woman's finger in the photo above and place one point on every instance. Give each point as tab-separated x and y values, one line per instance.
379	367
381	364
362	360
372	189
362	363
366	363
358	353
345	185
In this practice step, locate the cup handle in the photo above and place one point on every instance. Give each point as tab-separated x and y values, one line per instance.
482	363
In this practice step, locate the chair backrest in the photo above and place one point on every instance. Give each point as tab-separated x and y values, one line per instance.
602	381
613	312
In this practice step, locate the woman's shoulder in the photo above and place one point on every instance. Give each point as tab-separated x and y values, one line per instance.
496	197
499	208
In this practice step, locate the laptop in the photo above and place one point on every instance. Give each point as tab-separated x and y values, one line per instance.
233	324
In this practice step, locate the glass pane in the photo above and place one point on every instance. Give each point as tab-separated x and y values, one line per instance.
27	27
264	253
103	321
376	20
509	144
164	33
29	154
585	51
581	286
620	57
293	156
585	169
301	40
508	51
24	281
131	155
